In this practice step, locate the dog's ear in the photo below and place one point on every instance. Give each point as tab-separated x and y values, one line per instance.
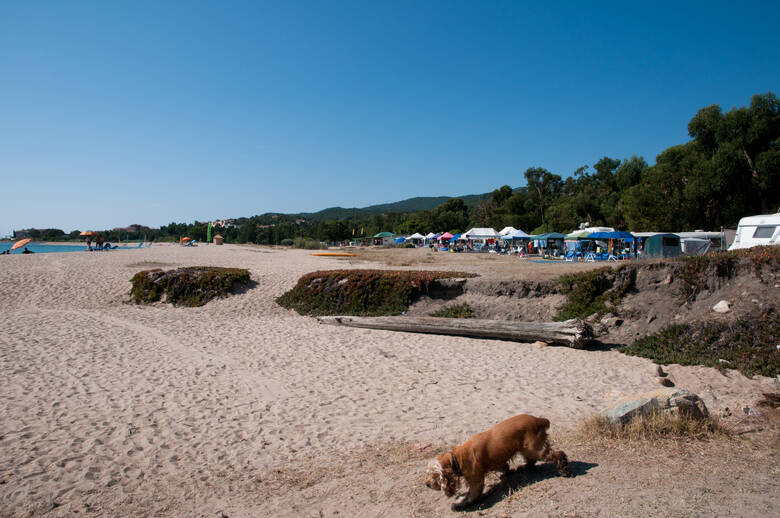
449	481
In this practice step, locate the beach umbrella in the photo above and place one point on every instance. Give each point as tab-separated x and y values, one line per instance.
21	243
185	239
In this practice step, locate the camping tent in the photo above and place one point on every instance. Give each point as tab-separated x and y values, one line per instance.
662	245
517	235
694	245
579	234
480	233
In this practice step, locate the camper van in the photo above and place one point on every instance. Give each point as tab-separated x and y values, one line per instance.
757	230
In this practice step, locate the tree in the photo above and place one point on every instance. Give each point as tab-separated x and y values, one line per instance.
543	187
742	147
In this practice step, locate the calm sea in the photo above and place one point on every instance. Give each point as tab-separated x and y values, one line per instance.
40	248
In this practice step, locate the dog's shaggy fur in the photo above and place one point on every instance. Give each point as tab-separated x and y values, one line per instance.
491	451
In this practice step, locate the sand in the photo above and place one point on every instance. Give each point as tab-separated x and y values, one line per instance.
114	409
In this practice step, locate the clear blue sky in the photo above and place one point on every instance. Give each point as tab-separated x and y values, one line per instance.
149	112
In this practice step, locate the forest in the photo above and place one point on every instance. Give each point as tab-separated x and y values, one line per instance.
729	169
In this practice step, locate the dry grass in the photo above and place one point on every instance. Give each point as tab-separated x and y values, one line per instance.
656	426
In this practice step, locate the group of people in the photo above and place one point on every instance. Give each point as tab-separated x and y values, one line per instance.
99	244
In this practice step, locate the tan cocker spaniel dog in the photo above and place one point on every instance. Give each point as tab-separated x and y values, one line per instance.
491	451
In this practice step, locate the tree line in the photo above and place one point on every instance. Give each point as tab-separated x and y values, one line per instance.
729	169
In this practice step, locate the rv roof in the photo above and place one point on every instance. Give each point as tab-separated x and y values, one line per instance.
761	219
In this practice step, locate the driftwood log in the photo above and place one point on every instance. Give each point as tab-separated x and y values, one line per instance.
572	333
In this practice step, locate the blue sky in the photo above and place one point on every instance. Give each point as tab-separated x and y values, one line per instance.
149	112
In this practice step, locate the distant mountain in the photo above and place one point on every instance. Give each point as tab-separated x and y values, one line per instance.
411	205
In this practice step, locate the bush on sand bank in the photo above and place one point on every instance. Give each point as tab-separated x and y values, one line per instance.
360	292
190	286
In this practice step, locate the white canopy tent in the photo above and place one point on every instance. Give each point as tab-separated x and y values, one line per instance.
415	237
480	233
507	230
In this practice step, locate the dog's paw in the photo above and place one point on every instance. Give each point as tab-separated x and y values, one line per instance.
459	502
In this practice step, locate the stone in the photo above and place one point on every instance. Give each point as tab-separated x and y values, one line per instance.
666	382
421	446
540	343
658	371
611	321
722	307
669	400
649	319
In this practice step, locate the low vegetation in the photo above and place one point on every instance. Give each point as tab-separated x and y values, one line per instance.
191	286
702	272
594	291
360	292
658	425
749	346
456	311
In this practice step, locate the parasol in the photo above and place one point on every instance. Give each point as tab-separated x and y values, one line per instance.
21	243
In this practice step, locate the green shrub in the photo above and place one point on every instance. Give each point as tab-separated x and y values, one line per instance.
749	346
589	292
360	292
287	242
308	244
191	286
457	311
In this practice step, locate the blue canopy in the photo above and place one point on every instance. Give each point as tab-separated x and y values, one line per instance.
456	236
517	234
620	234
400	239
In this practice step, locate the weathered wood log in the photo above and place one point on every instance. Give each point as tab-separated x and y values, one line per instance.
572	333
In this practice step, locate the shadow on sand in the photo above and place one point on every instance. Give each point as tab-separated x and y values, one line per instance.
522	477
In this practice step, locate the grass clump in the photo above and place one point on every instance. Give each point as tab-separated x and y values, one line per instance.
590	292
658	425
190	286
456	311
360	292
748	346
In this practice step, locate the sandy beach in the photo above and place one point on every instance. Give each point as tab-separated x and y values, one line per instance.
113	409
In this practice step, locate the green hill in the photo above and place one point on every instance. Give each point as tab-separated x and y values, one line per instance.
410	205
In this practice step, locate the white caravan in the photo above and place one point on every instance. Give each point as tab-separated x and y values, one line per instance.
757	230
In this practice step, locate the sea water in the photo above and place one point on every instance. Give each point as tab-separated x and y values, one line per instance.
40	248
